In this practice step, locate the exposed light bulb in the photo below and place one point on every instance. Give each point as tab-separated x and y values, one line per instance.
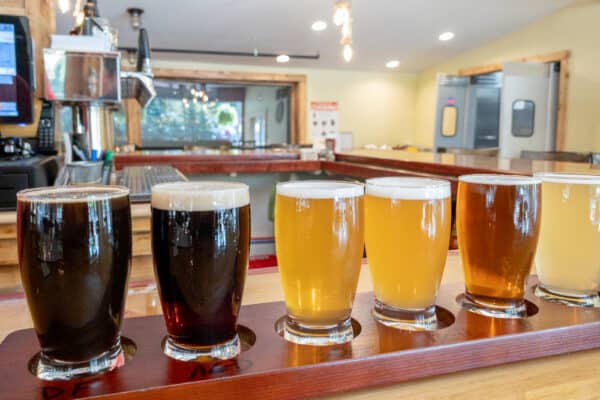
348	52
79	18
283	58
340	15
64	6
319	26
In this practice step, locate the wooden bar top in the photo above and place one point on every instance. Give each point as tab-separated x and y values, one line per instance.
359	163
569	376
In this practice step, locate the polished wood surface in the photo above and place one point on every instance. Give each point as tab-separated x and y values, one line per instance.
568	376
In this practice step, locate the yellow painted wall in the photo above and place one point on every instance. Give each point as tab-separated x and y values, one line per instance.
378	107
576	28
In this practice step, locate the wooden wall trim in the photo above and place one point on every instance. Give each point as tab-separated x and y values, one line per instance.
558	56
561	57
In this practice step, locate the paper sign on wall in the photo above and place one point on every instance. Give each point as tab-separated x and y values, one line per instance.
324	118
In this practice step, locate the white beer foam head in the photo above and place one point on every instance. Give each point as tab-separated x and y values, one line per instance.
498	179
572	179
406	188
319	189
199	196
71	194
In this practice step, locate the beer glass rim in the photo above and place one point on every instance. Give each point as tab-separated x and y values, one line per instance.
408	188
499	179
74	194
565	177
199	195
320	189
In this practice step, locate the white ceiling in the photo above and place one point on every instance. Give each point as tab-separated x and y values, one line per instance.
383	29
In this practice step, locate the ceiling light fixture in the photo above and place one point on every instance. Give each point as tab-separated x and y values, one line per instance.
392	64
444	37
348	52
135	17
319	26
342	16
283	58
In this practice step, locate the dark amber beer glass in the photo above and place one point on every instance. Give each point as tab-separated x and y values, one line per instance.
200	246
498	223
74	246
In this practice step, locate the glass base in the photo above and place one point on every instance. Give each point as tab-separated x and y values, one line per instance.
317	335
411	320
184	352
50	369
512	309
583	300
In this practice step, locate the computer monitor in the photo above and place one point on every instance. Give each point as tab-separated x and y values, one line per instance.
17	71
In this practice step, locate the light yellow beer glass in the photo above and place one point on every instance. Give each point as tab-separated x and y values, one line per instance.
319	239
568	253
407	232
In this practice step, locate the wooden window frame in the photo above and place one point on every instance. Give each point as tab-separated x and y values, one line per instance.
561	57
296	82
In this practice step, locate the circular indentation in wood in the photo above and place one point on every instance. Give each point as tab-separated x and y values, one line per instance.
445	318
531	308
356	328
129	349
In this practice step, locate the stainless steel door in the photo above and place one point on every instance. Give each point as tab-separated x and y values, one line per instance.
451	112
528	108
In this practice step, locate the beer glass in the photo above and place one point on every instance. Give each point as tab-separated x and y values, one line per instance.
407	232
74	247
319	238
568	254
498	222
200	247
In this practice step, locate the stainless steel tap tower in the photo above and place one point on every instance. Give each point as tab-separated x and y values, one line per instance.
92	84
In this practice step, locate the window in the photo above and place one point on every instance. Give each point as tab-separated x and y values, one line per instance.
212	114
449	119
523	118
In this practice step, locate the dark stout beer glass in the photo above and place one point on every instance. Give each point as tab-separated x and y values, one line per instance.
74	246
200	244
498	223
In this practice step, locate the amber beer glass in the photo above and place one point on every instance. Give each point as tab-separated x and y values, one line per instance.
568	254
498	223
407	232
319	238
74	247
200	247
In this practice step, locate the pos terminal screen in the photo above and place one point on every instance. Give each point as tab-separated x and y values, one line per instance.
8	71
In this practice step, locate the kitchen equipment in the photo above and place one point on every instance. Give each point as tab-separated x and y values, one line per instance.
92	85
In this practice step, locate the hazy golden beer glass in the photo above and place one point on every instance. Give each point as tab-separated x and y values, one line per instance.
407	232
498	222
319	238
568	254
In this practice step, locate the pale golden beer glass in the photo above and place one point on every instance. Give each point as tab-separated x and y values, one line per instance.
407	232
498	222
568	254
319	239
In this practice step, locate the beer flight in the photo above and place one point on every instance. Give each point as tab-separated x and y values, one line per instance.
74	246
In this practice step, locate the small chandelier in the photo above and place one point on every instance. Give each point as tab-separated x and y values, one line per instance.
342	16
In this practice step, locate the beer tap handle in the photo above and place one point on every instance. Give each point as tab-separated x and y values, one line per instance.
143	59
